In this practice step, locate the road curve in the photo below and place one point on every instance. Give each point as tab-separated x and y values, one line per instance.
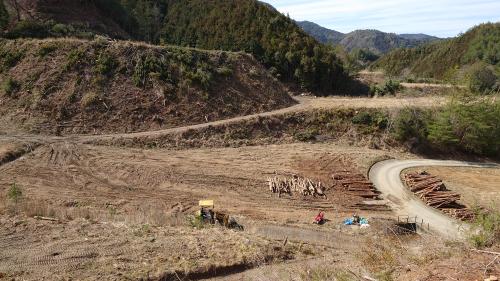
386	176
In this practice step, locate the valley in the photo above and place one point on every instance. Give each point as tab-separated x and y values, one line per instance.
226	140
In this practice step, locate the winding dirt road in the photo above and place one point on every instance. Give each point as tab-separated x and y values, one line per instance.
386	176
304	104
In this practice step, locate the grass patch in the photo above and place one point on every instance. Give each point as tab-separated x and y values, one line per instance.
89	99
14	193
10	86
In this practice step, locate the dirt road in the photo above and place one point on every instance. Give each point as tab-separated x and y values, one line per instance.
386	176
304	104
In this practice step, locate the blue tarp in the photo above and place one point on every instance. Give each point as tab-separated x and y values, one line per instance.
350	221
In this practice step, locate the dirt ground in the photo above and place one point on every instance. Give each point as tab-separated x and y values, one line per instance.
478	187
174	181
126	214
122	214
380	102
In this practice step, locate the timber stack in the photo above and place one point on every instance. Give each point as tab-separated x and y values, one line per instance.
289	185
434	193
355	184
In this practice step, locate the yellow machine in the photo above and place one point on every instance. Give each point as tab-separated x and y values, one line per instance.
208	215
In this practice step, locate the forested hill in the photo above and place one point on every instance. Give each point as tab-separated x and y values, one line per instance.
234	25
248	25
322	34
447	59
375	41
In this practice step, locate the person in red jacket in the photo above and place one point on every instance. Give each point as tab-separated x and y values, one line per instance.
320	218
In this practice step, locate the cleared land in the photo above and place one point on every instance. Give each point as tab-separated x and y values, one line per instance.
124	213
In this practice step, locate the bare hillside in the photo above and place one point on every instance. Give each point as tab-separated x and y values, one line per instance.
77	86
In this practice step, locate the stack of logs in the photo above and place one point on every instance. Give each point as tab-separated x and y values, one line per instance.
355	184
435	194
289	185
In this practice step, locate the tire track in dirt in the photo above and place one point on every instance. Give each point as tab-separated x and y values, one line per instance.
21	254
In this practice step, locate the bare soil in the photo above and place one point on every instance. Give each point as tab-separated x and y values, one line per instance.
111	203
124	213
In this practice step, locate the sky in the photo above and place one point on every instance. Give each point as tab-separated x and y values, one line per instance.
442	18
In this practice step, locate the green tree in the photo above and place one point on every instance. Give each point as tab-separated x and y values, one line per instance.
248	25
470	125
4	16
482	79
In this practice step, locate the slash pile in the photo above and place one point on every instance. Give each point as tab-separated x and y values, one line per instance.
288	185
435	194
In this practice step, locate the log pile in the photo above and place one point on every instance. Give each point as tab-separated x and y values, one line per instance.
435	194
355	184
290	185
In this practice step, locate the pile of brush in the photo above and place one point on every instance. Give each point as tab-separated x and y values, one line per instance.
435	194
289	185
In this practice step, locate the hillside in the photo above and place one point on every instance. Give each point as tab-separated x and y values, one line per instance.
274	39
375	41
446	59
322	34
79	86
55	18
250	26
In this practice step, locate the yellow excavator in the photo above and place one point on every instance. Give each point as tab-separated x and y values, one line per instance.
207	214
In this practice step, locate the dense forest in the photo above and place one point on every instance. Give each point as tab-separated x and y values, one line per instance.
447	60
4	16
232	25
248	25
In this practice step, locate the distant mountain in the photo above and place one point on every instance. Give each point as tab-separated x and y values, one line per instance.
420	37
375	41
322	34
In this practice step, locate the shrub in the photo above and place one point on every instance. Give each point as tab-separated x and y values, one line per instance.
11	58
411	124
225	71
30	29
46	49
202	77
362	118
487	227
60	29
75	57
390	87
482	79
14	193
106	63
197	222
143	67
10	86
309	135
